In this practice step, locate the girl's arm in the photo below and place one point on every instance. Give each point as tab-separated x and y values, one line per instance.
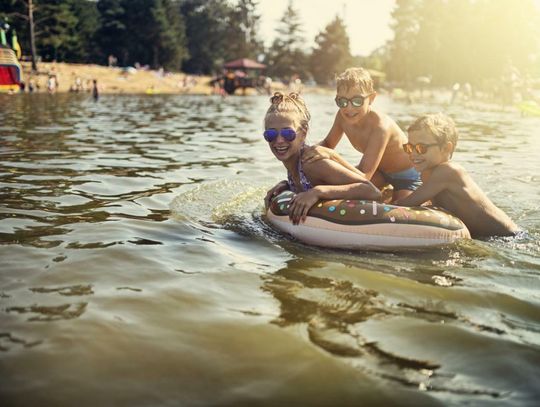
331	181
317	152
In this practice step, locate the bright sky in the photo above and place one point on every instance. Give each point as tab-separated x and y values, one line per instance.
367	21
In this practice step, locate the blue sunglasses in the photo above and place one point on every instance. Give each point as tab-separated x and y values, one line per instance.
287	133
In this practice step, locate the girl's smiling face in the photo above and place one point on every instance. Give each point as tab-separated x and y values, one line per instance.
350	113
285	150
435	154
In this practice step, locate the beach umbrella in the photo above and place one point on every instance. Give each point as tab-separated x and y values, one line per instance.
243	63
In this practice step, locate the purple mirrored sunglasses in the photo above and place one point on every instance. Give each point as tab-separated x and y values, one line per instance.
287	133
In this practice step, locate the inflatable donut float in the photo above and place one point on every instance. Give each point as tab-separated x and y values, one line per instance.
357	224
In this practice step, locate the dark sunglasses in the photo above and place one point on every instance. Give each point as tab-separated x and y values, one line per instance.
356	101
420	148
287	133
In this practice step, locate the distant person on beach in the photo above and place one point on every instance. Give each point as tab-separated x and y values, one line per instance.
286	125
95	90
372	133
52	84
432	141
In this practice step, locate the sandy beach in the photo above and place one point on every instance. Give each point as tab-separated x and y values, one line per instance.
115	79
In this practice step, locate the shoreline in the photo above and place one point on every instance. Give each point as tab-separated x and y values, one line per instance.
112	80
115	80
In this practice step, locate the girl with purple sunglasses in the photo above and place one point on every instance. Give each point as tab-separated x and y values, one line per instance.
286	125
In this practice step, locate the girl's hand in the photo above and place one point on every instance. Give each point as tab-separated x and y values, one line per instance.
301	204
276	190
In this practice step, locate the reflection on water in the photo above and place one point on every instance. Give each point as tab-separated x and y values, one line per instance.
136	264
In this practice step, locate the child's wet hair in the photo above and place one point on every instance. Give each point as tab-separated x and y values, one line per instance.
292	106
441	126
355	77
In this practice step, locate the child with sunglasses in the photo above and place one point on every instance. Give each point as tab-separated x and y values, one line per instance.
372	133
432	140
286	124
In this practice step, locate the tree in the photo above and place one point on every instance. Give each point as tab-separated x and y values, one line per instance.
332	53
242	33
145	31
56	29
285	56
473	41
405	27
112	35
207	23
172	37
87	14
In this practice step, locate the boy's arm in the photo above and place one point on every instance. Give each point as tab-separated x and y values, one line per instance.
437	182
374	152
334	135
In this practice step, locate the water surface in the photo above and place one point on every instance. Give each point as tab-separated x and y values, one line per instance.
136	267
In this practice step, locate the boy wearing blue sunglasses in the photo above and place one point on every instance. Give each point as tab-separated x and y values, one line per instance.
432	140
372	133
286	124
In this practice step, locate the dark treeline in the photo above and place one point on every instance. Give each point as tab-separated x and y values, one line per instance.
195	36
447	41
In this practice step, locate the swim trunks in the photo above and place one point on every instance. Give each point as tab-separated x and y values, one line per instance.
408	179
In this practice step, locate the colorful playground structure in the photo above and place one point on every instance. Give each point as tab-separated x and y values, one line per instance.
10	69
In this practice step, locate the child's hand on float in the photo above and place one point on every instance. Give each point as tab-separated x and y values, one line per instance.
301	204
276	190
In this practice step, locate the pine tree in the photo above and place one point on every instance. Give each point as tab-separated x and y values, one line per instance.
285	56
56	33
113	35
207	23
86	49
406	27
332	53
242	34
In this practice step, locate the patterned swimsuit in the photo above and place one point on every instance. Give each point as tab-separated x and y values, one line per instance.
306	185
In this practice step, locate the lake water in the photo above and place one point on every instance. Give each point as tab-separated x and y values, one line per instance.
136	267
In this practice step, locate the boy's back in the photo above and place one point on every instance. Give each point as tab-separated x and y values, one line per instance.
463	197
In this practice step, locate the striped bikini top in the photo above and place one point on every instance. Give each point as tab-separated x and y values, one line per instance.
306	185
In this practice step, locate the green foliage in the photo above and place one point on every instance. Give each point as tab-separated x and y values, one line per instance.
285	56
207	23
145	31
112	35
87	16
242	32
331	55
472	41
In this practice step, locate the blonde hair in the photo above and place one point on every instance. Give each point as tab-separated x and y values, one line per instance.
292	106
441	126
358	77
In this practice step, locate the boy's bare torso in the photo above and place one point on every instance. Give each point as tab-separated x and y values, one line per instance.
464	198
381	129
